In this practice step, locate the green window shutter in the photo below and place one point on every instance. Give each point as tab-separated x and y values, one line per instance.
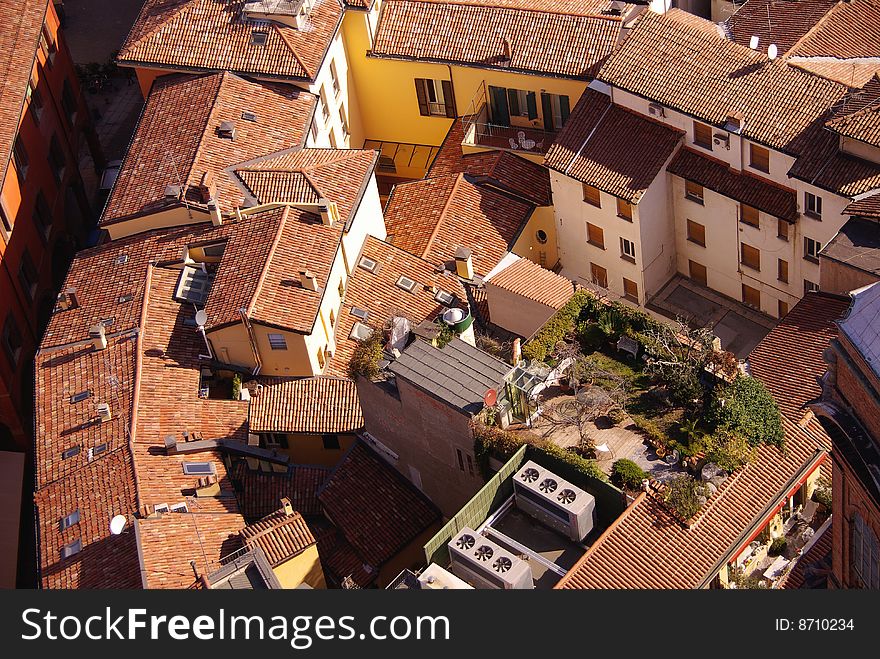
532	105
563	106
547	109
449	98
422	95
498	105
513	102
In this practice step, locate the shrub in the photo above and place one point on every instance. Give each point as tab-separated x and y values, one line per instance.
617	415
651	429
236	386
745	407
778	546
684	495
822	493
365	360
740	580
446	334
560	325
626	473
590	336
728	450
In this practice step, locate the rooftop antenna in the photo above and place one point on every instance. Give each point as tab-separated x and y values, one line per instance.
772	51
117	524
753	42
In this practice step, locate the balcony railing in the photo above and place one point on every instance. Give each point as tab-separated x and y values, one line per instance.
480	131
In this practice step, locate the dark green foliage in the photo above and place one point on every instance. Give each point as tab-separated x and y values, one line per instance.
778	546
446	334
748	410
626	473
561	324
683	495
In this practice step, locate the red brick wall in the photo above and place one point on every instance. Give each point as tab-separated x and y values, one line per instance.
859	398
849	497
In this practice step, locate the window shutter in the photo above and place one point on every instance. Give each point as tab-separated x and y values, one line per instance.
449	98
564	109
547	109
532	103
422	95
513	102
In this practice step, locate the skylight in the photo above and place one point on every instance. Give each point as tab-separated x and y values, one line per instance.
368	264
444	298
361	332
357	312
80	396
198	468
71	548
406	283
69	520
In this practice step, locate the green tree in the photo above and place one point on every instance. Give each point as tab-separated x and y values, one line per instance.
745	407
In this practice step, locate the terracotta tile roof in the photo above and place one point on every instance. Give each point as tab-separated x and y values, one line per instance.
431	218
647	548
177	140
850	30
683	62
22	22
571	7
309	405
168	542
540	41
853	73
501	169
98	491
375	508
782	22
800	338
260	493
531	281
338	558
740	186
611	148
861	119
866	207
824	165
213	35
279	535
377	293
813	566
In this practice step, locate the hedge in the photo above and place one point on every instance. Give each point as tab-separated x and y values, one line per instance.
626	473
749	410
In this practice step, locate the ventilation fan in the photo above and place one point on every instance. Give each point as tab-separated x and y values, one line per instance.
465	542
484	553
503	564
548	485
566	496
529	475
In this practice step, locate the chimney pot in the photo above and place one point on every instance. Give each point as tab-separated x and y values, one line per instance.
97	333
288	507
308	280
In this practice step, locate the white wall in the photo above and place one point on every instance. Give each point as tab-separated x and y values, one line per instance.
515	313
344	99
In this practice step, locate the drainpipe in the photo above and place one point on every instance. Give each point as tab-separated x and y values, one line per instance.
253	339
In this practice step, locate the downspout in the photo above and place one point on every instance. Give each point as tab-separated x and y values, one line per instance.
253	339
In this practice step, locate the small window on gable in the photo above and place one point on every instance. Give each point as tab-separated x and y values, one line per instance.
406	283
69	520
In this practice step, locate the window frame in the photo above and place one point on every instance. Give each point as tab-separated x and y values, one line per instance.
632	297
592	195
592	235
780	233
782	270
277	341
808	256
691	193
700	127
624	209
746	287
28	275
812	205
761	153
745	248
625	254
9	332
691	238
744	210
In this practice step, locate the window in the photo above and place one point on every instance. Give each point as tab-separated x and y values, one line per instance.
693	191
628	249
630	290
599	275
782	271
57	160
749	215
20	157
435	98
556	109
368	264
27	275
36	102
277	341
624	210
71	452
813	205
697	272
751	296
865	554
325	109
198	468
5	225
595	236
541	236
12	342
214	251
470	463
68	103
592	195
42	214
811	249
80	396
406	283
810	287
696	233
71	548
259	37
321	359
47	45
178	507
387	164
332	137
331	442
69	520
161	508
703	135
522	103
341	288
759	158
97	450
460	457
750	256
782	230
782	309
335	76
342	120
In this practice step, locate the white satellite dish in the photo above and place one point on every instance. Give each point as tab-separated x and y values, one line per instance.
201	317
753	42
117	524
771	51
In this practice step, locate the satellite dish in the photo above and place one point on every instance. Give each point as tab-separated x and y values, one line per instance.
490	398
201	317
117	524
753	42
771	51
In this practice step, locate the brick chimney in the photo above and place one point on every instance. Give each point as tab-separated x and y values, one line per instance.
308	280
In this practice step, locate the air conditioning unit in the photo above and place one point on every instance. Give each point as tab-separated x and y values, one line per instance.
656	110
721	139
484	564
554	501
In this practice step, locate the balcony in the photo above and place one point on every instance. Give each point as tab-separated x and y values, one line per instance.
479	131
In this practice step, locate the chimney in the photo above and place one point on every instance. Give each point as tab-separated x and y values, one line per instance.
172	191
226	130
288	508
505	47
208	487
464	265
517	350
104	412
734	122
170	445
308	280
97	334
207	188
216	217
329	212
67	299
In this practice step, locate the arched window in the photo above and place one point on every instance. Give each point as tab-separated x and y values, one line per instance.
865	554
